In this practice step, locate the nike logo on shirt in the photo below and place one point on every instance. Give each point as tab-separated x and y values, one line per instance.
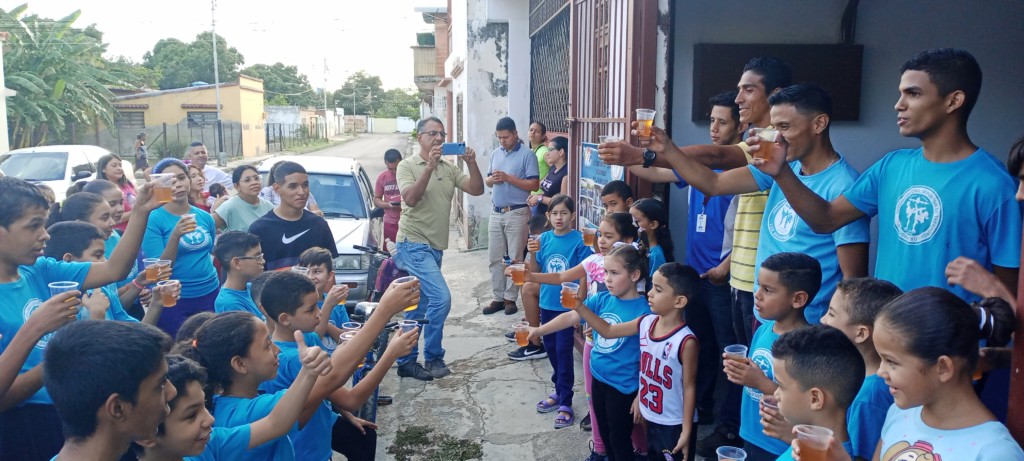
287	240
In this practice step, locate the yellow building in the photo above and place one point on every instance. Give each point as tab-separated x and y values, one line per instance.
179	116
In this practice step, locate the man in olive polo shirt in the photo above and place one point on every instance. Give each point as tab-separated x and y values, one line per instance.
428	184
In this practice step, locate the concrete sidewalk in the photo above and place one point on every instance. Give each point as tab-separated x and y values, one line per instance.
487	398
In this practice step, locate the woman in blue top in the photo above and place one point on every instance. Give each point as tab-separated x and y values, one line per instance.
192	253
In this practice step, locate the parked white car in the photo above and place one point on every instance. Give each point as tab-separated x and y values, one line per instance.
344	193
56	166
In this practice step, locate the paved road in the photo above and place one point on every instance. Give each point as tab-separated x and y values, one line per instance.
369	149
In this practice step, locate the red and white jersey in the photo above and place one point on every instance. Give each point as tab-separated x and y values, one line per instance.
661	373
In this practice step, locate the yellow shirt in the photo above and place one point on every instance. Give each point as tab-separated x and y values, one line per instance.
428	221
746	231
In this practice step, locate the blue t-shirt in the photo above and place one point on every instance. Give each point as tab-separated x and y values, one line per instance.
906	437
704	248
20	298
236	300
559	253
229	411
225	443
338	317
760	353
313	441
866	415
656	257
194	264
782	230
788	455
616	361
108	249
931	213
115	311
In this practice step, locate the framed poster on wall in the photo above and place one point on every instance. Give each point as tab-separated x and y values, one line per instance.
594	174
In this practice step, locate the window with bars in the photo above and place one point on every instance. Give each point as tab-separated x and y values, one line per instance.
201	119
549	79
130	119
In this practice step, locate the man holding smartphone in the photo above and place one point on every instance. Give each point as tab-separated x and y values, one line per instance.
512	175
387	196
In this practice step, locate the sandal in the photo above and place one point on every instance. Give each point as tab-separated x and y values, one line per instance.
563	420
545	407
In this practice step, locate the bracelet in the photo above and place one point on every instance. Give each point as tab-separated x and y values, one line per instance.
140	287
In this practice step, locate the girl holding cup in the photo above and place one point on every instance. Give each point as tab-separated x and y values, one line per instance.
182	233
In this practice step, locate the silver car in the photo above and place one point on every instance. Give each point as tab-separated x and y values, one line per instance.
345	195
56	166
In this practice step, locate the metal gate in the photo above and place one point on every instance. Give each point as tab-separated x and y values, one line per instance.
549	55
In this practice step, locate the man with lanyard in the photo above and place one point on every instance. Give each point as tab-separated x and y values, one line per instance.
512	175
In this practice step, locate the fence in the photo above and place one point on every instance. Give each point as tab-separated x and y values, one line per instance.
284	136
167	140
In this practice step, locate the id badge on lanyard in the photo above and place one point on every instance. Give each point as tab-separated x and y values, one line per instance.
702	218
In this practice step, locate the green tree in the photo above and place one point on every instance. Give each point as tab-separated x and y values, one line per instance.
367	90
136	74
398	102
180	63
59	74
285	84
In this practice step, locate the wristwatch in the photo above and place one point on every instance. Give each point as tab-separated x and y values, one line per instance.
649	156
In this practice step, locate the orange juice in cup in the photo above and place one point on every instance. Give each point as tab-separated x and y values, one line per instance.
162	187
813	441
522	332
167	295
569	290
518	274
589	236
644	121
768	137
405	279
152	269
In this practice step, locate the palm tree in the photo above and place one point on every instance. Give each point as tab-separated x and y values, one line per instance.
60	76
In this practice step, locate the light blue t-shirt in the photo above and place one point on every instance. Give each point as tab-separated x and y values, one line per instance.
656	257
236	300
339	316
313	441
760	353
616	361
559	253
194	264
782	230
788	455
931	213
20	298
866	415
229	411
906	437
521	162
108	249
225	443
115	311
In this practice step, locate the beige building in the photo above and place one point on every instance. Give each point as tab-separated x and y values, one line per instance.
176	117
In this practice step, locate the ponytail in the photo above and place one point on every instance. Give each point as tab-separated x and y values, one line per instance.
76	207
995	321
220	339
654	210
633	260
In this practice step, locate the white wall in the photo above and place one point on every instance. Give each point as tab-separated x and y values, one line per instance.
891	32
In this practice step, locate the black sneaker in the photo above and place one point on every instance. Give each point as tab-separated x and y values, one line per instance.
722	436
414	370
585	424
437	368
528	352
510	336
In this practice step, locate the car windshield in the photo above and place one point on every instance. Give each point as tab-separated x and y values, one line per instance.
36	166
337	195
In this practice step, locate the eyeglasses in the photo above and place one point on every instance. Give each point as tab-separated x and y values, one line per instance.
435	133
257	258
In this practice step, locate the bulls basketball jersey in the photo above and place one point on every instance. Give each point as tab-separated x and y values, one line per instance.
661	373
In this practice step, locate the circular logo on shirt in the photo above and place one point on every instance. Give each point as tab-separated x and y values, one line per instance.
557	263
27	311
608	345
918	215
196	239
782	221
763	359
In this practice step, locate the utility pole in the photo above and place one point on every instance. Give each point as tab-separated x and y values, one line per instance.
221	158
326	134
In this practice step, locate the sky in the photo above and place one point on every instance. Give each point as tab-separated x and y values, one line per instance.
351	35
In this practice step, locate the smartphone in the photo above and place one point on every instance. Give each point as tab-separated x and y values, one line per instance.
396	203
453	148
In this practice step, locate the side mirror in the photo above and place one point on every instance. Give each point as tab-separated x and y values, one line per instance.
377	213
81	175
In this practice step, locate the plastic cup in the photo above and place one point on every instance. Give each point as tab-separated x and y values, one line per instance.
162	187
607	139
152	270
769	401
535	238
345	338
408	278
768	137
644	119
303	271
589	236
731	454
569	290
813	441
518	274
350	327
408	325
167	297
191	216
736	352
161	264
522	332
57	288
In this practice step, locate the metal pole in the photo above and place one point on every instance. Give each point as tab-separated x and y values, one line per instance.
216	83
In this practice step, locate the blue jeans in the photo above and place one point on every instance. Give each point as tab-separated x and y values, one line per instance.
560	346
424	262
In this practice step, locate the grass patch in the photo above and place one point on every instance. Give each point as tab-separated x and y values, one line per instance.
416	443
